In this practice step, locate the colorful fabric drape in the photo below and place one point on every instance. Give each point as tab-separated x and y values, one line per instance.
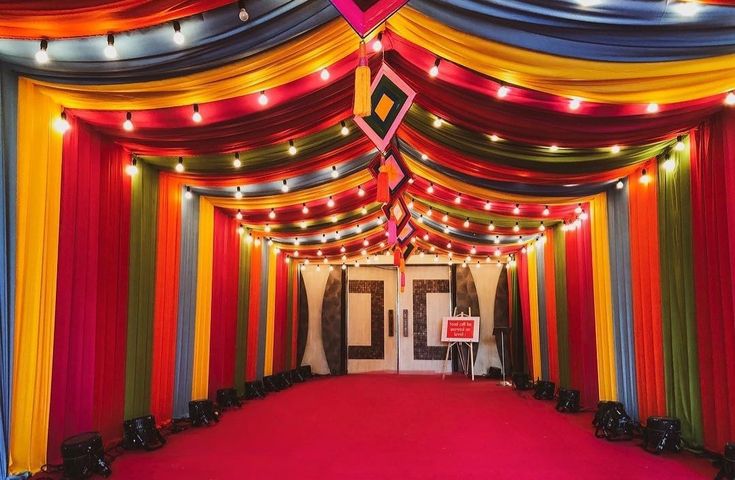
203	317
552	335
562	318
243	310
712	177
543	334
622	308
681	367
88	372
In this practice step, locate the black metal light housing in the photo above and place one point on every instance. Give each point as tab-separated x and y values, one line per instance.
228	398
522	381
305	371
203	413
142	433
568	401
544	390
662	434
83	456
255	390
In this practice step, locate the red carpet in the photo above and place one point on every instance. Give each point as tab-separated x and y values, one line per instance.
402	427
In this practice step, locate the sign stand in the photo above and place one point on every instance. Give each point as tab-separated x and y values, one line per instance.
462	359
504	383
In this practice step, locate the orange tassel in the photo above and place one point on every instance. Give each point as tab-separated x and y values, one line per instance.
361	107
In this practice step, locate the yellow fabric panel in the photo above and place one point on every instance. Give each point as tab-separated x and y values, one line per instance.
533	310
302	56
203	318
611	82
604	334
39	191
270	312
441	179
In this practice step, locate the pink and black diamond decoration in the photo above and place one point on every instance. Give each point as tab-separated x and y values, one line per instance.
365	15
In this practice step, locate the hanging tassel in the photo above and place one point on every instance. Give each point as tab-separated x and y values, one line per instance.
397	257
361	107
402	269
392	231
383	193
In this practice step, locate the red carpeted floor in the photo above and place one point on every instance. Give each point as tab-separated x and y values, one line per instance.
401	427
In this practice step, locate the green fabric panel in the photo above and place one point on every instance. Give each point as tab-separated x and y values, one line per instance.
562	321
518	355
289	318
681	366
141	291
525	156
272	156
243	305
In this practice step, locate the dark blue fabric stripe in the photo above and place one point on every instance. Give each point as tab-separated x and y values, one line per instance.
619	240
213	39
8	135
615	31
187	305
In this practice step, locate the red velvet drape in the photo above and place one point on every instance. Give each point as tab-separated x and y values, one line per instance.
646	294
525	307
581	315
713	219
225	268
88	376
165	314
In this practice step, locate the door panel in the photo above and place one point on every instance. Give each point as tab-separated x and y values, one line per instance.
371	304
425	300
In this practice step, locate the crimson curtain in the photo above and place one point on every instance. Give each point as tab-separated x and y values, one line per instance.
713	219
226	252
88	379
581	315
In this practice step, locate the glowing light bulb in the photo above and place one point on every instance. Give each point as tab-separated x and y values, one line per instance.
620	184
196	116
554	148
615	149
330	202
438	122
364	210
410	204
303	224
424	157
236	162
360	191
241	230
179	38
516	227
503	91
304	209
688	8
42	53
272	214
497	239
491	226
575	103
497	252
243	14
426	237
446	229
730	99
284	186
430	188
378	43
669	164
358	228
263	98
517	209
324	238
296	241
342	249
187	194
110	51
434	70
334	218
473	250
466	223
128	123
488	205
429	212
132	168
458	199
238	215
61	124
449	245
344	130
679	147
238	193
379	221
645	177
652	107
494	138
546	211
180	165
542	227
445	217
324	74
334	173
578	209
267	227
337	236
291	148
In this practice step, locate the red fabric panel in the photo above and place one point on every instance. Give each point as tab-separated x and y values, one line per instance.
525	307
713	218
550	292
225	267
581	314
646	293
81	18
165	316
91	299
256	262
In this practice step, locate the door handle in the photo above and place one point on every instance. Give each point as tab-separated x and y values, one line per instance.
405	322
391	323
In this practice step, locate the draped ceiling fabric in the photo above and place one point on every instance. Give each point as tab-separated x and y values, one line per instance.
606	294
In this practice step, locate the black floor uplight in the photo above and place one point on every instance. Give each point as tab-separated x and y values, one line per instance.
544	390
662	434
568	401
612	422
228	398
305	371
83	456
203	413
142	433
255	390
522	381
727	470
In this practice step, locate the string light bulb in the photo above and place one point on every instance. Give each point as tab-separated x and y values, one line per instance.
491	226
458	199
132	168
324	74
180	165
178	37
645	178
238	215
554	148
445	217
110	51
238	193
378	43
496	240
291	148
364	210
267	228
466	222
236	161
430	212
304	209
410	204
358	228
494	138
542	227
434	70
240	230
575	103
446	229
438	122
187	194
546	211
430	188
128	123
330	202
360	191
516	227
324	238
42	53
517	209
284	186
620	184
578	209
730	99
426	237
196	116
488	205
334	173
679	146
503	91
652	107
424	157
263	98
61	124
243	14
615	149
669	163
337	236
303	224
473	250
344	130
272	214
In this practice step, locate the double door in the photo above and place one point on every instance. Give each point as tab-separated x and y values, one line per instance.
393	331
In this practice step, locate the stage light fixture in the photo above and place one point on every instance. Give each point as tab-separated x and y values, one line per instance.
203	413
228	398
544	390
727	467
662	434
522	381
568	401
83	456
612	422
141	433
